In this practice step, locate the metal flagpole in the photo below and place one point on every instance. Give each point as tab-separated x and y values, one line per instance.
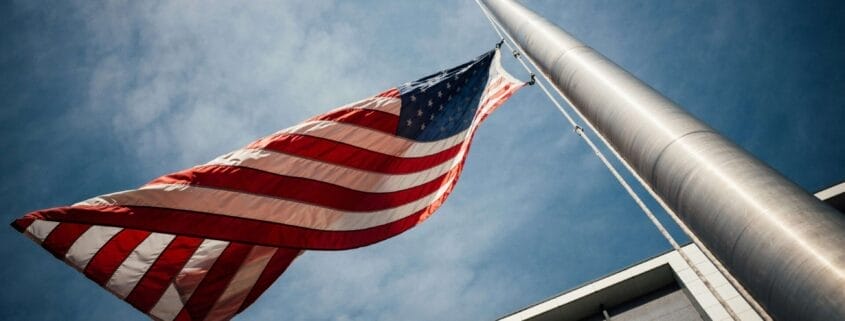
622	181
784	245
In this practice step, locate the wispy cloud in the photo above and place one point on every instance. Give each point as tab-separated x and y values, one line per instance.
188	81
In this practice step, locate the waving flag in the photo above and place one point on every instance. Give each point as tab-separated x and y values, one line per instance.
204	243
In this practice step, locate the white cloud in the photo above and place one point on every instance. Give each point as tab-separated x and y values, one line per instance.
190	81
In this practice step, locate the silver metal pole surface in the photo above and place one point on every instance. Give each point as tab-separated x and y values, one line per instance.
784	245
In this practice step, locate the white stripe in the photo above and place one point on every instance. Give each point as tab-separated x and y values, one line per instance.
491	83
40	229
197	267
87	245
208	200
168	306
270	209
356	179
497	69
137	263
356	221
241	284
360	180
390	105
370	139
222	202
497	84
490	105
831	191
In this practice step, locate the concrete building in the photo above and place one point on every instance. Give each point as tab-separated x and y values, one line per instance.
660	288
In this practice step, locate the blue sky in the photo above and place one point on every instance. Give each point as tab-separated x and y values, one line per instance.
104	97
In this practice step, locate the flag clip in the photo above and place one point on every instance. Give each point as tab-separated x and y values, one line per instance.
515	53
533	80
499	44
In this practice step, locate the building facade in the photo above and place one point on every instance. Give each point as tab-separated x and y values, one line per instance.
663	288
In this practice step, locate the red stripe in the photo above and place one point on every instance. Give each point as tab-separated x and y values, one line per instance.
392	92
216	280
497	104
193	227
334	152
183	316
498	93
303	190
112	254
238	229
62	237
369	118
153	284
22	224
277	265
230	228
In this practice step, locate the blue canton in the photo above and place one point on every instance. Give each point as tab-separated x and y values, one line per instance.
443	104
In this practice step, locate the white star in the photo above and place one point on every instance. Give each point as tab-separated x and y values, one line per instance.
450	97
448	86
431	117
440	108
413	98
439	94
409	122
422	126
430	103
419	112
442	129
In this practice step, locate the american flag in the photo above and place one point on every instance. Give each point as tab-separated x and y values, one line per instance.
204	243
